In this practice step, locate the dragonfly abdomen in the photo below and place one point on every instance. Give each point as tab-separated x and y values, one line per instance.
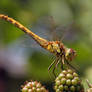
42	42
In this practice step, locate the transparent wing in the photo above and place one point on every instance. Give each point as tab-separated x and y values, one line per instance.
50	30
68	33
26	41
46	28
42	29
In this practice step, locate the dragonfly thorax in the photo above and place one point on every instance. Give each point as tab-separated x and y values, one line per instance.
54	47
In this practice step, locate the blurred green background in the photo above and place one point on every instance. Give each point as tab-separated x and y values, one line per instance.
19	61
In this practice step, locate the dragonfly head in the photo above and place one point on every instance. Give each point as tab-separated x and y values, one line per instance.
70	54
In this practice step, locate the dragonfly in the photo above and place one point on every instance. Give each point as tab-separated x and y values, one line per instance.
64	55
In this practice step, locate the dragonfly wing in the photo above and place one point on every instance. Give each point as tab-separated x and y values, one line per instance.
68	33
26	41
47	28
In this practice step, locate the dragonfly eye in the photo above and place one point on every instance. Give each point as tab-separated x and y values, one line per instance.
73	52
70	54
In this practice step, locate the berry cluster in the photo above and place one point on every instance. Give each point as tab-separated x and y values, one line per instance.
33	87
68	81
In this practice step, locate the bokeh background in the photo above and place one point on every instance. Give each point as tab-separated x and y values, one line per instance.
21	59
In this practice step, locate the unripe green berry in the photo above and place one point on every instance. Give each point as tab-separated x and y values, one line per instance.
63	81
38	90
55	87
69	76
57	79
38	85
74	82
72	88
68	82
61	87
70	71
66	88
58	82
42	89
34	84
34	89
29	90
24	90
57	90
61	76
75	74
64	72
77	78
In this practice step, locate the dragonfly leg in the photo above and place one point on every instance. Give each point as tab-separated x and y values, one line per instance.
62	62
51	65
54	71
71	66
61	66
56	64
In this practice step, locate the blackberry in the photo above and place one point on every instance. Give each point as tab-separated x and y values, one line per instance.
68	81
33	86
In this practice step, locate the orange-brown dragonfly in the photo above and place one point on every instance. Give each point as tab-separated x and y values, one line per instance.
63	54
